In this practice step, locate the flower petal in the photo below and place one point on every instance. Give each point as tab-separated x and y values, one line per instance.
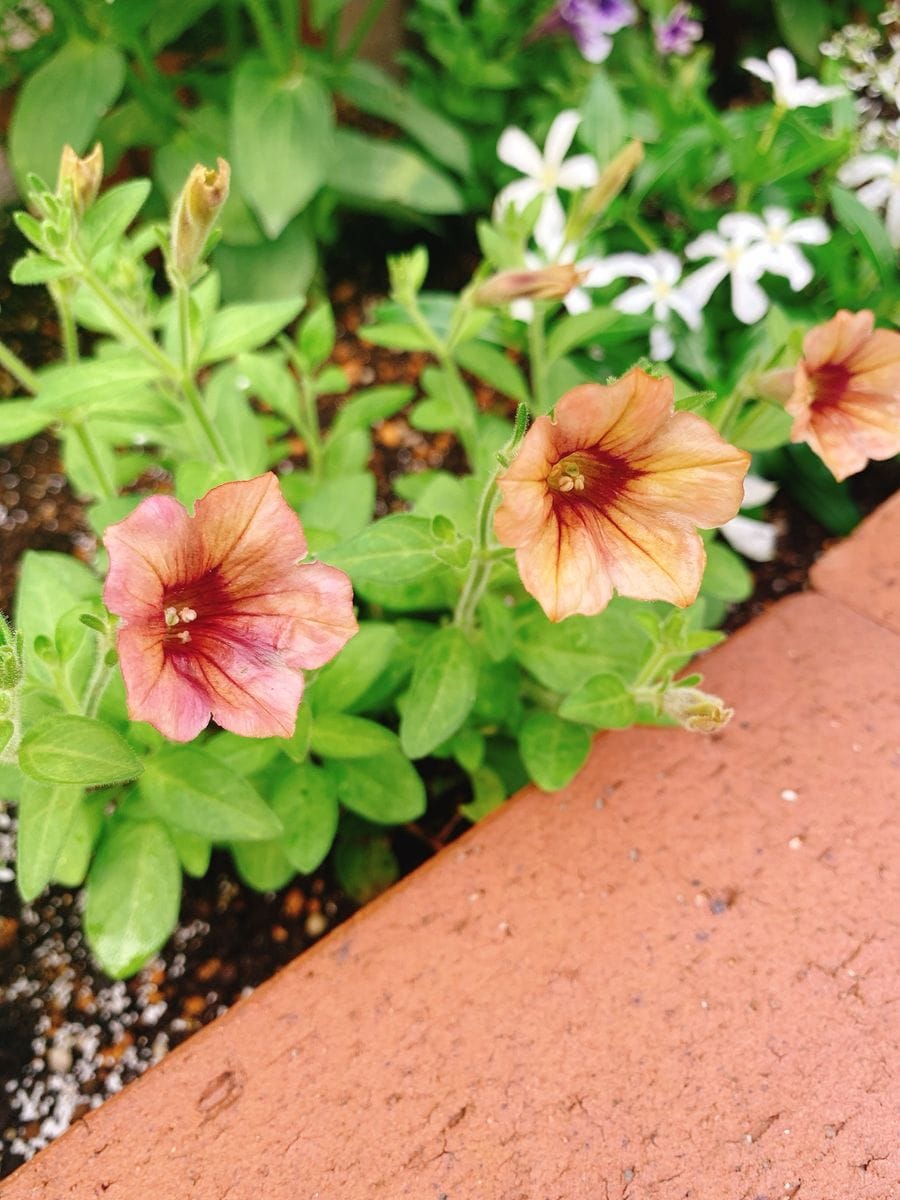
250	691
700	286
749	302
874	195
564	566
519	194
160	690
581	171
754	539
150	547
662	345
707	245
757	491
635	300
757	67
892	217
864	167
809	231
650	557
838	338
742	228
517	150
548	229
249	533
559	137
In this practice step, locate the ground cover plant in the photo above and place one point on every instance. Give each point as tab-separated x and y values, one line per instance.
665	290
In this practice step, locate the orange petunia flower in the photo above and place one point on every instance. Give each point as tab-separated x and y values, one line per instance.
607	496
844	394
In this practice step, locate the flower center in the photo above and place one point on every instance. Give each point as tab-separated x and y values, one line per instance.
567	476
733	255
661	289
775	236
830	384
895	176
176	619
549	178
593	477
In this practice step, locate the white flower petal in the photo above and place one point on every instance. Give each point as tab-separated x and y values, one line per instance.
892	217
807	93
875	195
707	245
559	137
700	286
635	300
784	71
757	491
516	149
742	228
519	194
749	302
662	345
666	265
686	307
577	301
551	223
522	310
581	171
809	231
757	67
617	265
775	217
791	264
756	540
864	167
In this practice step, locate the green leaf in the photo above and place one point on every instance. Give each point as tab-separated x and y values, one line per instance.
340	684
297	745
262	865
133	894
553	750
572	331
20	419
239	327
189	789
364	863
36	268
488	793
762	427
726	576
316	335
342	506
369	407
804	25
396	549
276	270
49	584
243	755
385	788
395	335
194	852
441	693
492	365
46	811
282	132
370	89
305	802
81	837
339	735
61	102
603	125
81	386
867	231
69	749
371	172
110	215
603	702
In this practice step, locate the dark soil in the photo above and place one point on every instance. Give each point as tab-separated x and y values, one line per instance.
69	1037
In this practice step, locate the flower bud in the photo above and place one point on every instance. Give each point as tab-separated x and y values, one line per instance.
544	283
10	671
696	711
195	213
612	180
82	175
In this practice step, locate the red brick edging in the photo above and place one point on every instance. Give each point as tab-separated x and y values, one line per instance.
675	980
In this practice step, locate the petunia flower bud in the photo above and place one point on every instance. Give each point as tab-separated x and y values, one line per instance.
612	180
696	711
195	213
544	283
10	670
82	175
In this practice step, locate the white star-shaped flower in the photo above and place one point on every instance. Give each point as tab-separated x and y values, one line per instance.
780	69
661	273
545	172
877	178
780	236
740	256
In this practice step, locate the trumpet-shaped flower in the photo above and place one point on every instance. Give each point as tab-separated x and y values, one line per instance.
660	273
742	257
780	237
606	495
844	394
877	176
218	616
780	70
544	173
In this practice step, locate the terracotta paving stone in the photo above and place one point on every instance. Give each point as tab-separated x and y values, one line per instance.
863	572
675	980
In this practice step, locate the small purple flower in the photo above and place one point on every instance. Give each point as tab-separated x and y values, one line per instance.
677	34
590	23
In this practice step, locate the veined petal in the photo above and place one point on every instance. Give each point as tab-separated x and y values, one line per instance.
837	339
687	468
250	690
517	150
149	549
559	137
249	533
581	171
647	407
525	510
160	690
650	557
565	567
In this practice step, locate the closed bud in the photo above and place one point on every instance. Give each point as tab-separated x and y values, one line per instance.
195	213
612	180
695	710
10	670
543	283
82	176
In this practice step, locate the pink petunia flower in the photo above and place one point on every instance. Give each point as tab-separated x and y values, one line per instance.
607	496
218	616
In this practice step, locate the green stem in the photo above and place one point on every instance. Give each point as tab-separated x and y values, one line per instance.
139	336
763	146
290	22
63	301
640	232
363	25
11	362
186	380
99	679
267	32
307	419
537	354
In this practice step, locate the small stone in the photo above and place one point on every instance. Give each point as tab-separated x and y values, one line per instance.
316	924
790	795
